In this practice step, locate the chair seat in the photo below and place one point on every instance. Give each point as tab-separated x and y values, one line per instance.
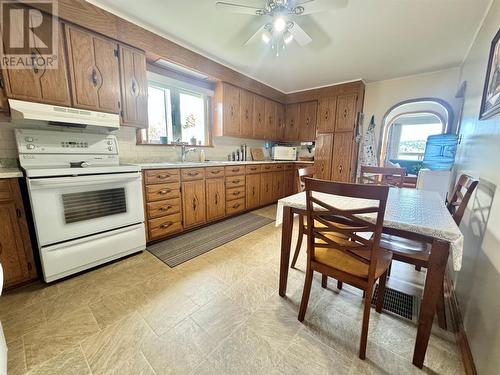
403	248
349	264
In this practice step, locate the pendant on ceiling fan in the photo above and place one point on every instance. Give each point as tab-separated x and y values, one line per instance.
281	30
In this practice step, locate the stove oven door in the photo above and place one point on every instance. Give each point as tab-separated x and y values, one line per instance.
67	208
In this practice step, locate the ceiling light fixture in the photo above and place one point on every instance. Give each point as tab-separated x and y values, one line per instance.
266	36
279	24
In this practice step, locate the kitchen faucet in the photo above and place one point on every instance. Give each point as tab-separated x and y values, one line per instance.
184	150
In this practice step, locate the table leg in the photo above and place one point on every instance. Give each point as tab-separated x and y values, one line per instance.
432	290
286	241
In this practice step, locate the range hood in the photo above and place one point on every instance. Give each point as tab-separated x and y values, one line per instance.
21	110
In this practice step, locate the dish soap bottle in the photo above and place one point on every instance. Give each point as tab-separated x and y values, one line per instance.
202	156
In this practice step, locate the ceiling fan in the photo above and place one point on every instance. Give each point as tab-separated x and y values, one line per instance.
281	29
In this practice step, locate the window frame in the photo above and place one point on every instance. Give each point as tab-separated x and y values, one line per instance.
176	88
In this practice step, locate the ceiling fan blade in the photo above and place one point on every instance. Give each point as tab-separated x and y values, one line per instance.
300	35
316	6
255	35
237	8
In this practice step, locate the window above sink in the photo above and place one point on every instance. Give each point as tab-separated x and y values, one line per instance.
178	112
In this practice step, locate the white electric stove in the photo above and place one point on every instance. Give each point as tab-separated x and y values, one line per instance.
87	208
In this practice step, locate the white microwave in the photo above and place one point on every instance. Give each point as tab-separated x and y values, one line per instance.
284	153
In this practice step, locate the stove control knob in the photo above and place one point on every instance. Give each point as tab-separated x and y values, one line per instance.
110	143
110	148
28	139
30	146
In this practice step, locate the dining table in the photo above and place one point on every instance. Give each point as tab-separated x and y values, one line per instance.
410	213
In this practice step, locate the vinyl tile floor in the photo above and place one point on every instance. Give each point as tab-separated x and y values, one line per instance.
219	313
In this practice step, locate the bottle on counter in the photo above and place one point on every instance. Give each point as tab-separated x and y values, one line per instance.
202	156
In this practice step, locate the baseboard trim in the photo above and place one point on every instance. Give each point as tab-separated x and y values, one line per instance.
458	328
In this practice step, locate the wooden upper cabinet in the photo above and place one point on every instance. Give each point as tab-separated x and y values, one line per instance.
259	108
227	110
280	121
49	86
307	121
216	198
326	115
246	113
346	113
134	87
193	203
323	156
94	70
292	122
270	127
342	156
4	105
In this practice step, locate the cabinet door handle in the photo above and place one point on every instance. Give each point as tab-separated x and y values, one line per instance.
33	59
253	190
194	204
345	112
93	77
192	174
215	172
165	191
165	208
236	181
236	192
327	114
134	87
166	225
232	111
236	205
246	114
216	199
161	176
235	170
340	168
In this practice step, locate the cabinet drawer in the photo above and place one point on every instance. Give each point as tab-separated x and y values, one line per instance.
190	174
288	167
161	192
234	170
235	206
235	181
162	208
212	172
235	193
5	193
250	169
160	176
165	225
267	167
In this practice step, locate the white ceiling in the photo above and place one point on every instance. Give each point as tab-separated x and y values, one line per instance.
370	39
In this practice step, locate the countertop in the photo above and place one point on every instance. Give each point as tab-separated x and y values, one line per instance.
214	163
10	173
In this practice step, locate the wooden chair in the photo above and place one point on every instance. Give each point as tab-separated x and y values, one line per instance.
382	176
417	253
302	173
351	258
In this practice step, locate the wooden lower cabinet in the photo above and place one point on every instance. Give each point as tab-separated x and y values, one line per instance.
323	156
289	182
216	198
180	199
193	203
342	160
266	188
253	190
278	185
16	253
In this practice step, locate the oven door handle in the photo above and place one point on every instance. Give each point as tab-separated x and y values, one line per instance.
81	180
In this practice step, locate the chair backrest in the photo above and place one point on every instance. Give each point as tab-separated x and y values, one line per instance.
382	176
460	197
324	219
303	173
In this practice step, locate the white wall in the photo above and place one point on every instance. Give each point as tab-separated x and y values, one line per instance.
382	95
478	283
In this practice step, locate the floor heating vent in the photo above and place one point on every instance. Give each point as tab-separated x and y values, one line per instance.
399	303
